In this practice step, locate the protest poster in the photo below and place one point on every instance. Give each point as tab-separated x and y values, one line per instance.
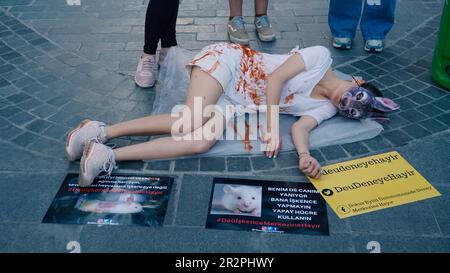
111	200
267	206
372	183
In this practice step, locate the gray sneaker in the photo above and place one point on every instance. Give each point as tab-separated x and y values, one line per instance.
145	72
97	158
264	29
237	32
78	137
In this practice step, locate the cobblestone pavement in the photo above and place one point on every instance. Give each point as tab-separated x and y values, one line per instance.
60	64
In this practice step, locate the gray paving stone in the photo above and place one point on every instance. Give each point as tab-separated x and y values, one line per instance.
30	104
238	164
434	92
317	155
33	194
44	111
187	165
131	165
4	83
49	147
387	80
444	118
378	143
412	115
212	164
167	239
3	123
158	165
193	202
10	132
333	152
56	131
416	131
430	110
47	238
355	149
6	241
21	118
287	160
401	244
38	125
443	103
394	221
419	98
300	244
415	85
262	163
439	206
397	137
433	125
25	139
9	111
406	103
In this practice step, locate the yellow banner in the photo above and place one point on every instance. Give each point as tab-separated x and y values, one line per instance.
372	183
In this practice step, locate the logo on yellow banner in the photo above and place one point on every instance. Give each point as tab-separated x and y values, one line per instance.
372	183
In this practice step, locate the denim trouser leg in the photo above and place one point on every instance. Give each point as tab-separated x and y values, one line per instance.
343	17
377	18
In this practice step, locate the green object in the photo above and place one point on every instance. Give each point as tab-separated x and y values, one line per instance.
441	60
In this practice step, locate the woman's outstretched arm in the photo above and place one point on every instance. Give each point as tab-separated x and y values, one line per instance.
274	83
300	137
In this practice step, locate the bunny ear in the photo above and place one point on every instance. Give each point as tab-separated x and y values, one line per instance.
385	104
378	117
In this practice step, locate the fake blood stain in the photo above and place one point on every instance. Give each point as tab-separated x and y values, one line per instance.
252	75
246	138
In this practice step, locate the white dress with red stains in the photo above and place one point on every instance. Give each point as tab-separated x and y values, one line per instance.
242	71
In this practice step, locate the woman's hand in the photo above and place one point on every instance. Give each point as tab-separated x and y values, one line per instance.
309	166
272	145
271	142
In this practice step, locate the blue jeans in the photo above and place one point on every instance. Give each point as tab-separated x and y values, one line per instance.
376	21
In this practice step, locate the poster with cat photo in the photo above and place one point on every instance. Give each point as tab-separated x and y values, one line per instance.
267	206
111	200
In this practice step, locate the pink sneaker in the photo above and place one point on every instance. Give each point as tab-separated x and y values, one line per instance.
145	72
97	158
78	137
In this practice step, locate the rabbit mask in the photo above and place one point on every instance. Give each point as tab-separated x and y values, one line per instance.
360	103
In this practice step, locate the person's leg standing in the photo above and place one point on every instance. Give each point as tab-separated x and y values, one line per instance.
377	20
145	74
168	37
262	24
343	19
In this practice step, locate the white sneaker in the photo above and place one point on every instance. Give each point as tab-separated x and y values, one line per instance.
342	43
374	46
78	137
145	72
97	158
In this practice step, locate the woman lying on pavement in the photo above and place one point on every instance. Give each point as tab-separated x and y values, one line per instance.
300	83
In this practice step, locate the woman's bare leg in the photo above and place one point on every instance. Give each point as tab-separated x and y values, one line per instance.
261	6
201	85
169	147
235	8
